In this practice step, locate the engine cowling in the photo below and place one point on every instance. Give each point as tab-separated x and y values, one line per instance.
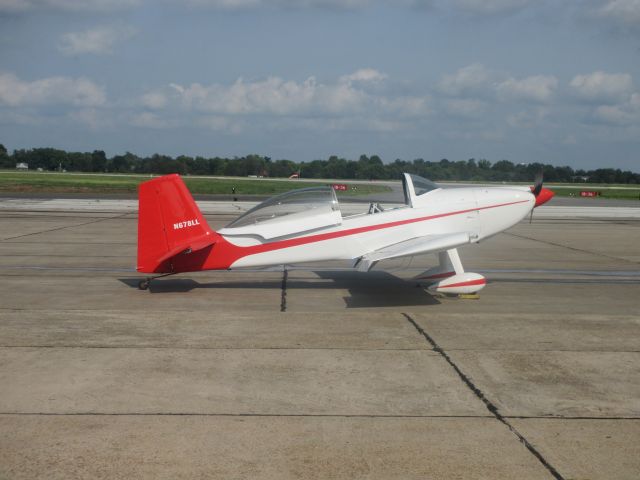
463	283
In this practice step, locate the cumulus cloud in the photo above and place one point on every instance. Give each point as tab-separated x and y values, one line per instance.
154	100
364	75
273	95
626	113
624	12
470	79
601	86
99	40
407	106
476	80
537	88
80	92
276	96
353	100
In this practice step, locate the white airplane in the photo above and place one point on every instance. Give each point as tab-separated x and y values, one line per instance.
307	226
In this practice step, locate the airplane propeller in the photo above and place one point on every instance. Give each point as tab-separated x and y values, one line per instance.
543	195
537	184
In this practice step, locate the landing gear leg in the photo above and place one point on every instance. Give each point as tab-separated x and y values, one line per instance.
146	283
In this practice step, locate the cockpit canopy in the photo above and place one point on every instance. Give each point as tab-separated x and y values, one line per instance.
309	209
307	200
291	212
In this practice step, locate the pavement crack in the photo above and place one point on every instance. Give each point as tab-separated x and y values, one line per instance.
65	227
483	398
283	294
582	250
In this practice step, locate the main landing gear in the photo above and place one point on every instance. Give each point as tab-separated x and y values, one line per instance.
146	283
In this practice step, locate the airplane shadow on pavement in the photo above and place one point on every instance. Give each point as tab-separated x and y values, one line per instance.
366	290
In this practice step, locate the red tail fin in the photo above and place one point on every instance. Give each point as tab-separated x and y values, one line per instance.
169	223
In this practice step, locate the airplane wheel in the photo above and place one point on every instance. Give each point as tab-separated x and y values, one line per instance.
143	284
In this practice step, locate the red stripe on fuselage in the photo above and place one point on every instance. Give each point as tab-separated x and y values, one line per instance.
223	254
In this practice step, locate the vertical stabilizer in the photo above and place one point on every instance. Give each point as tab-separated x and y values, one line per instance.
169	223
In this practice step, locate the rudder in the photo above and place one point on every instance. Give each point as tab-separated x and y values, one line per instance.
169	223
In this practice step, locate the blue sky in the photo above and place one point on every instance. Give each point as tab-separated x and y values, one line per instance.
524	80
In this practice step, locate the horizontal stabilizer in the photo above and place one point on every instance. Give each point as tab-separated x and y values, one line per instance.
414	246
193	245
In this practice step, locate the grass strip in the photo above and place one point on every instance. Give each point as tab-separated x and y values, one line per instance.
111	183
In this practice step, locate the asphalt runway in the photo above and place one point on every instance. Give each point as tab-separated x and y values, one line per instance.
318	373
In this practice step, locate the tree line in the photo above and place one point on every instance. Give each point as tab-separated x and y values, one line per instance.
366	167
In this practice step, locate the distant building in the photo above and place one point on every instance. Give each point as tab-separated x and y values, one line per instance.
22	166
580	178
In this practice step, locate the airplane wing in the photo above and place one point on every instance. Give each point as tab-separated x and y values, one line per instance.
414	246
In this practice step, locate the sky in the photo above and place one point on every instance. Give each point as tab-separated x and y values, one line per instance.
552	81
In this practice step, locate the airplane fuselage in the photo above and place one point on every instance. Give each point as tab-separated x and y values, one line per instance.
480	212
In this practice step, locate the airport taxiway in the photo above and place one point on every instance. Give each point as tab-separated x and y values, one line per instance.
321	373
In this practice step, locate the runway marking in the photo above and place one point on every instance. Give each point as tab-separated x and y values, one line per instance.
482	397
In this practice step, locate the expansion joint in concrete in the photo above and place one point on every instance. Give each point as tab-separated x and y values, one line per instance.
283	294
483	398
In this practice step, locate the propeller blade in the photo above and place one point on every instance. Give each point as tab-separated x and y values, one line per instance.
531	217
537	188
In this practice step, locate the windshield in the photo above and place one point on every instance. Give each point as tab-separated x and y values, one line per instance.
311	200
422	185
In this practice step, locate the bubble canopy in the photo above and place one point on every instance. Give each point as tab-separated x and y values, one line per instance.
306	202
